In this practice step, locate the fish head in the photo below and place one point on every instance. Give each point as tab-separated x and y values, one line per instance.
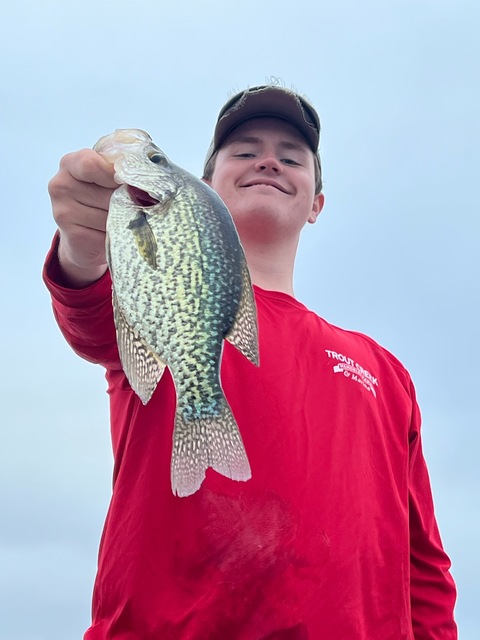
150	176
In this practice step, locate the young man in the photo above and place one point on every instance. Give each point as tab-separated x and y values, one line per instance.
335	534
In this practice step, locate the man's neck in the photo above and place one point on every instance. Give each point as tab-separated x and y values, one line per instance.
271	267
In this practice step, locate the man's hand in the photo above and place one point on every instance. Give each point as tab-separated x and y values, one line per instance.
80	193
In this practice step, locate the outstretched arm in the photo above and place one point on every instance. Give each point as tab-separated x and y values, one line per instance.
80	193
75	270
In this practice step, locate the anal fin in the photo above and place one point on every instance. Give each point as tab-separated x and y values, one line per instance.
141	365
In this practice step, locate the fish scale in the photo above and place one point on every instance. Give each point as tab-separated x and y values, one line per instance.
180	286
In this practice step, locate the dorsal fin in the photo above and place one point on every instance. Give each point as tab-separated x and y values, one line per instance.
243	333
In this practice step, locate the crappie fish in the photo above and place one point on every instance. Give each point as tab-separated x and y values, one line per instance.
181	286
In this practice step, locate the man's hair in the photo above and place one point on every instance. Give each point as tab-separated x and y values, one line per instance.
210	168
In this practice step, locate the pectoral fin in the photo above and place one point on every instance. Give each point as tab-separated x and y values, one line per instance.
144	238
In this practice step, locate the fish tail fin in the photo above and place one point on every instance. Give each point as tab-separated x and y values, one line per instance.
207	442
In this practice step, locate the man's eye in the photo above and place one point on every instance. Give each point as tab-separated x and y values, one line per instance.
244	155
290	161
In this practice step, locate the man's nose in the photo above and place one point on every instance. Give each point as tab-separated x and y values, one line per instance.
268	162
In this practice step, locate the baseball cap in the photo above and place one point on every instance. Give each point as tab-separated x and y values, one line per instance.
267	101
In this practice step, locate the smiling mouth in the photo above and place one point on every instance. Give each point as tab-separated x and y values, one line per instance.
141	198
266	184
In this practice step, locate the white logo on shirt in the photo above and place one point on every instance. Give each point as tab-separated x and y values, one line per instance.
353	370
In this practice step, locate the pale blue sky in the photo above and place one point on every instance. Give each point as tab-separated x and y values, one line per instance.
395	253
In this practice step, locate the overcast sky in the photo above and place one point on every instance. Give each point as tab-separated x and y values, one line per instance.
395	253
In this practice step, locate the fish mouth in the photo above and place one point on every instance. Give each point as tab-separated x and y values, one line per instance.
141	198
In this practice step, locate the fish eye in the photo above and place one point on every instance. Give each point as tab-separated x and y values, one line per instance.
157	158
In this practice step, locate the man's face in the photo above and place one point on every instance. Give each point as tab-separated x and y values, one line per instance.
265	174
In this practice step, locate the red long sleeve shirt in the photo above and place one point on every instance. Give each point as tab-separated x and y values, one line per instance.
333	537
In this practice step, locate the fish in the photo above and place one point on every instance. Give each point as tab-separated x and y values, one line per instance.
180	288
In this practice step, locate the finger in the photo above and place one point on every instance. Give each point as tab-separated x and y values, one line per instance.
65	190
81	216
81	253
89	166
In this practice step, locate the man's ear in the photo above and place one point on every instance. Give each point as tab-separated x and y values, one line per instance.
318	202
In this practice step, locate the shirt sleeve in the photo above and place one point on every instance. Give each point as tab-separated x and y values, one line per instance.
432	589
84	316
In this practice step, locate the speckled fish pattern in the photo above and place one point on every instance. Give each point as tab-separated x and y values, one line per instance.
180	286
